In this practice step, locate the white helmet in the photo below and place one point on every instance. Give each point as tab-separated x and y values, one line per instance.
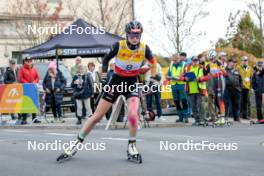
211	54
221	54
244	58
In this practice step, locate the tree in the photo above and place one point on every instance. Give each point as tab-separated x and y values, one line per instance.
247	37
179	17
233	22
113	15
31	17
256	6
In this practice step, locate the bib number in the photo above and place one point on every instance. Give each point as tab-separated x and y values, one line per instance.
129	67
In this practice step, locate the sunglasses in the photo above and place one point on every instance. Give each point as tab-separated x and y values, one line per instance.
245	60
29	60
132	36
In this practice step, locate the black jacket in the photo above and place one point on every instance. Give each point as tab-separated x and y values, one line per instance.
86	87
258	83
233	79
10	77
60	83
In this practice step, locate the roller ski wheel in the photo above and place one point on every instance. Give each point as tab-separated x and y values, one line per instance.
228	124
69	153
205	124
63	157
134	158
214	125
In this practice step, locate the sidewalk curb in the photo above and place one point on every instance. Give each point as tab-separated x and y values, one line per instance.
99	126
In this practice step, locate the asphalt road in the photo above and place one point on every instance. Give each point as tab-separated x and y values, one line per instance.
245	159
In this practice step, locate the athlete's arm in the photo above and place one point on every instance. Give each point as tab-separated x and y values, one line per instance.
113	52
152	60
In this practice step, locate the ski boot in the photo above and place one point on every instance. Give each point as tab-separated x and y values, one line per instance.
132	152
70	152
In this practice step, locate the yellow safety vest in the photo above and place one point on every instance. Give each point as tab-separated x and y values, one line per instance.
177	72
246	76
193	85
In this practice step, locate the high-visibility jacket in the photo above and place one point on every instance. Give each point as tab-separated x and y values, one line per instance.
194	86
246	75
177	71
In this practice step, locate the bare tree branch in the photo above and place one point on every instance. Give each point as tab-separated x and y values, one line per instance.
113	20
34	13
179	17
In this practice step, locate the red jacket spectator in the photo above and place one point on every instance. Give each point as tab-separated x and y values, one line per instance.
28	74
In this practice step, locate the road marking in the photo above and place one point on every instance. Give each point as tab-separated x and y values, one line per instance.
118	139
200	137
15	131
60	134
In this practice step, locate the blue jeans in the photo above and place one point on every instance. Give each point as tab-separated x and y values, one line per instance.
157	102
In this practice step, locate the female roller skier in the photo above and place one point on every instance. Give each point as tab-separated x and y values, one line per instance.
129	55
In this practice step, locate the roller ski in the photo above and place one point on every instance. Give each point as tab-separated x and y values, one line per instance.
132	153
70	152
220	122
252	122
197	124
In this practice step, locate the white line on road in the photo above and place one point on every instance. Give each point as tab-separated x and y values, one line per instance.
118	139
60	134
15	131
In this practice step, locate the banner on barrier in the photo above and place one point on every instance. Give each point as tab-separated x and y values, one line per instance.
19	98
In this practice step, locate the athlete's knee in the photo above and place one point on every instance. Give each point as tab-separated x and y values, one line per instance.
133	104
133	119
96	117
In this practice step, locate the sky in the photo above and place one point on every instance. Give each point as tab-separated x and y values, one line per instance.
214	25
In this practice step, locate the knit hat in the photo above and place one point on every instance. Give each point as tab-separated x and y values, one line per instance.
52	65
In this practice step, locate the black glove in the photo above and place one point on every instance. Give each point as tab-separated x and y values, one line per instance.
156	77
104	79
104	82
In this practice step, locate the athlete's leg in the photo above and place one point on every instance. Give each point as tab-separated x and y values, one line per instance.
101	110
132	116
